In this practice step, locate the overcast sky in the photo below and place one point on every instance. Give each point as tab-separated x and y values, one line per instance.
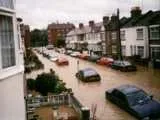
39	13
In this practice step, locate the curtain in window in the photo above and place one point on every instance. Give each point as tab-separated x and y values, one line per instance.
7	41
7	3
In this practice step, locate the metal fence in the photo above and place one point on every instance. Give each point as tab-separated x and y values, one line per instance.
61	99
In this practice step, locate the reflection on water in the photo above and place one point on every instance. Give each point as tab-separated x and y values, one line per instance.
94	93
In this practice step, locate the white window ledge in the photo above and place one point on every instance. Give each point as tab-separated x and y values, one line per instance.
11	72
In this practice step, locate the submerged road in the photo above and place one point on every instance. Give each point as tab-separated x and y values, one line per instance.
94	93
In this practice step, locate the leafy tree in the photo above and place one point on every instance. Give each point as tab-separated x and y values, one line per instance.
60	42
46	82
39	37
31	84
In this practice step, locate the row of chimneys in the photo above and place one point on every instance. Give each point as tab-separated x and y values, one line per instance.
135	12
91	24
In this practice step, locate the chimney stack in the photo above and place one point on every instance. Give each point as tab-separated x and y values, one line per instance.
91	23
80	25
135	12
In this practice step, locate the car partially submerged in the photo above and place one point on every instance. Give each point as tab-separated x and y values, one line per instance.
83	56
62	61
88	75
124	66
105	61
93	58
135	101
75	54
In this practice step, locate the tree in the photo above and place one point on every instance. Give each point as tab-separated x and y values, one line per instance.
39	37
46	82
60	42
31	84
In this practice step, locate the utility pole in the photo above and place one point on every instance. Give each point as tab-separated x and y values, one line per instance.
119	36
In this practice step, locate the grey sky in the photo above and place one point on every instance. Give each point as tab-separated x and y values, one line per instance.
39	13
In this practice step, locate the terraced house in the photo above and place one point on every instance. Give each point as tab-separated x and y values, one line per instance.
140	35
12	104
90	38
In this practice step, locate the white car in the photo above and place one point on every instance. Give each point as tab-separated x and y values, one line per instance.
75	54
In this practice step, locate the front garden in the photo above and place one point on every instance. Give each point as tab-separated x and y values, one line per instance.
32	62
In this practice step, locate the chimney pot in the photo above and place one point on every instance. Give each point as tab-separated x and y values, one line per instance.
91	23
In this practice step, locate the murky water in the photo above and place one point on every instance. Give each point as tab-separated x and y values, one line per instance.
93	93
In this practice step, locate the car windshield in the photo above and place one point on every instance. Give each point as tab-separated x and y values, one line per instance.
90	72
138	97
126	63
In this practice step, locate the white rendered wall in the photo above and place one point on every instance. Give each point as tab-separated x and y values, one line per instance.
131	39
12	106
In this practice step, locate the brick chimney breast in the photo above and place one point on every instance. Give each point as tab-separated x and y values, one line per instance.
135	12
105	19
81	25
91	23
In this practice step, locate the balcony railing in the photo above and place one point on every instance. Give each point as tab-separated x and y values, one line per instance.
7	4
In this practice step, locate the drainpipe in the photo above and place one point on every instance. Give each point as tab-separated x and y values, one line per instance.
119	36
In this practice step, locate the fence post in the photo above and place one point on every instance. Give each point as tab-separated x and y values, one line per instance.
85	113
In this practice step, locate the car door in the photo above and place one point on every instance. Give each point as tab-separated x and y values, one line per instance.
120	99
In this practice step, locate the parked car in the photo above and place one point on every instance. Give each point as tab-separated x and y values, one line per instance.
123	66
62	61
135	101
53	57
83	56
68	52
75	54
105	61
88	75
94	58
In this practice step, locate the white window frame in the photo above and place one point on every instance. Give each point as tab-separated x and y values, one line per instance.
114	49
138	53
140	33
14	27
150	30
123	35
113	35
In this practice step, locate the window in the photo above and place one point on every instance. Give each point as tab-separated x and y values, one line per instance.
155	52
7	47
122	35
140	51
124	50
134	49
114	49
140	34
114	36
155	33
102	36
7	3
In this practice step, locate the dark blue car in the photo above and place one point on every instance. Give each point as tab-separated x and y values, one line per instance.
135	101
88	75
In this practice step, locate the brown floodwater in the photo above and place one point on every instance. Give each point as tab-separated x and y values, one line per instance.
94	93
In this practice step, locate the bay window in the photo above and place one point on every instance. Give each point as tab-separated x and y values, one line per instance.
7	47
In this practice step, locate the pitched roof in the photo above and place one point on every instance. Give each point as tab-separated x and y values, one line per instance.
86	29
142	20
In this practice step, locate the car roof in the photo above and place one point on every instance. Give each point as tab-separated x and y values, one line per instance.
89	72
127	89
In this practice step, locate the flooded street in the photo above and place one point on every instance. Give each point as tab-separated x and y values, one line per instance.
94	93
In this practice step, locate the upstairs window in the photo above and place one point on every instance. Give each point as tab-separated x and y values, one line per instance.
139	34
114	35
7	4
155	33
122	35
7	47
